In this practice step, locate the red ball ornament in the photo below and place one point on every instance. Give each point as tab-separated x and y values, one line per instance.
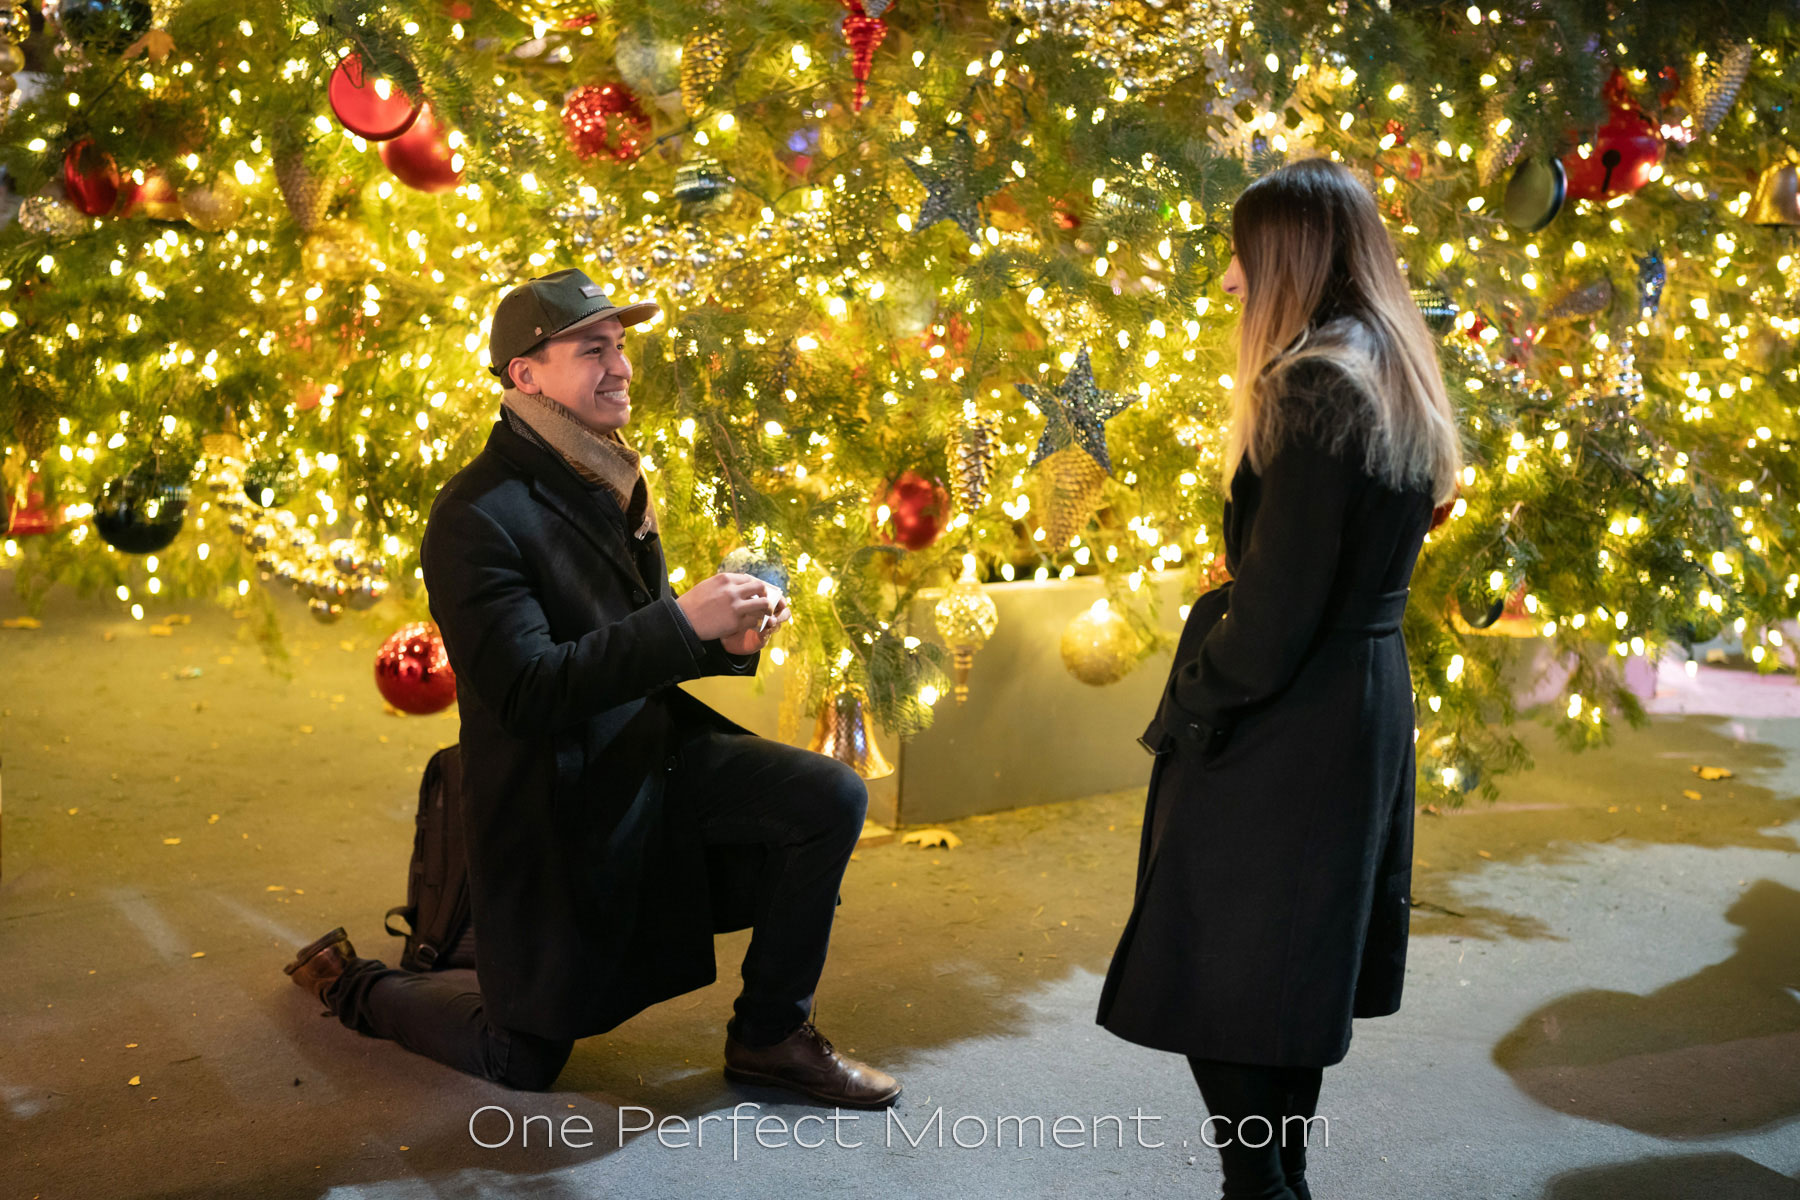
605	118
413	671
90	178
370	108
918	508
422	157
863	33
1624	150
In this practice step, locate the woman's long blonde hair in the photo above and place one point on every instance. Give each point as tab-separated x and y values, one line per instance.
1322	282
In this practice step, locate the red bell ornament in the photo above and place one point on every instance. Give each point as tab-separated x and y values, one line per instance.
918	509
1623	152
370	108
90	178
412	670
423	158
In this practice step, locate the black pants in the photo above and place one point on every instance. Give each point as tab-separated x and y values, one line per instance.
805	809
1266	1158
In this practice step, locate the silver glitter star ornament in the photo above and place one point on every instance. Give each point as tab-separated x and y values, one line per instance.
947	197
1076	412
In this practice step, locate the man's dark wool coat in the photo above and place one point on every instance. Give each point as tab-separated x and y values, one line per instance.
591	892
1273	879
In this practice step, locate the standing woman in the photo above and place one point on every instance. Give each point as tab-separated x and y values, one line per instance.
1272	884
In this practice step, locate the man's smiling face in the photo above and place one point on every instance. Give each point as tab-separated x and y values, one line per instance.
585	371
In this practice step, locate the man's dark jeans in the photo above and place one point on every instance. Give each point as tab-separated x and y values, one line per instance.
806	809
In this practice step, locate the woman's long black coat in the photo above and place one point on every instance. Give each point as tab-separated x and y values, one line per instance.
1273	876
592	897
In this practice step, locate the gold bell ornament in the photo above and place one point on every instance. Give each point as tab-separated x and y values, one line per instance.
843	734
966	618
1777	198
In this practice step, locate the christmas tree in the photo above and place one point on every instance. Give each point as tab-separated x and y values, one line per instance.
940	302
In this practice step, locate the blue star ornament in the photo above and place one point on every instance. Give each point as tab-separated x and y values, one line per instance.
1076	412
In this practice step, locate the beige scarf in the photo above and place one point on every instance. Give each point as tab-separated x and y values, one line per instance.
603	459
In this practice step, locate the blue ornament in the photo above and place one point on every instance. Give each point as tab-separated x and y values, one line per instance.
1651	277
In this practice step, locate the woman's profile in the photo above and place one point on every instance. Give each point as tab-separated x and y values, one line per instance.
1272	885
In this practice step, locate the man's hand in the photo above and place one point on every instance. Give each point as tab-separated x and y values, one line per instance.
762	633
740	610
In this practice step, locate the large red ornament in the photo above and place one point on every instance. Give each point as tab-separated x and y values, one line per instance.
370	108
605	118
422	157
90	178
918	507
413	671
863	33
1624	150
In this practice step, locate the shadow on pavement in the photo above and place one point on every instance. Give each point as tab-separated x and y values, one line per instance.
1679	1177
1717	1052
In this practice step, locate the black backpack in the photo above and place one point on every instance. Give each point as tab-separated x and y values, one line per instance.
438	933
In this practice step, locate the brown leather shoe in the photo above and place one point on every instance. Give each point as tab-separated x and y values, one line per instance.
318	964
805	1062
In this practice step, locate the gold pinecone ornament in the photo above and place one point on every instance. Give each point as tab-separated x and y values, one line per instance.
1075	483
966	618
306	191
1713	87
971	456
702	66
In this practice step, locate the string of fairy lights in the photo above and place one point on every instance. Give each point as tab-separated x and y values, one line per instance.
437	270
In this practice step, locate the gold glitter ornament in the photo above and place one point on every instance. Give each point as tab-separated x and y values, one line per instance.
49	215
703	62
1144	44
966	618
213	207
1099	646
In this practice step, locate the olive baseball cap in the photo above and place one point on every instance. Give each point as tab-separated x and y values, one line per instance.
553	304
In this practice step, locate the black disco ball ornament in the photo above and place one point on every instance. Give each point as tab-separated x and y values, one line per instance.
141	511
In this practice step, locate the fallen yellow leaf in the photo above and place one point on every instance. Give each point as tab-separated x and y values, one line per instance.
160	631
171	841
927	838
22	623
73	811
133	1081
213	820
1690	793
131	1045
198	954
274	887
1484	854
1711	773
